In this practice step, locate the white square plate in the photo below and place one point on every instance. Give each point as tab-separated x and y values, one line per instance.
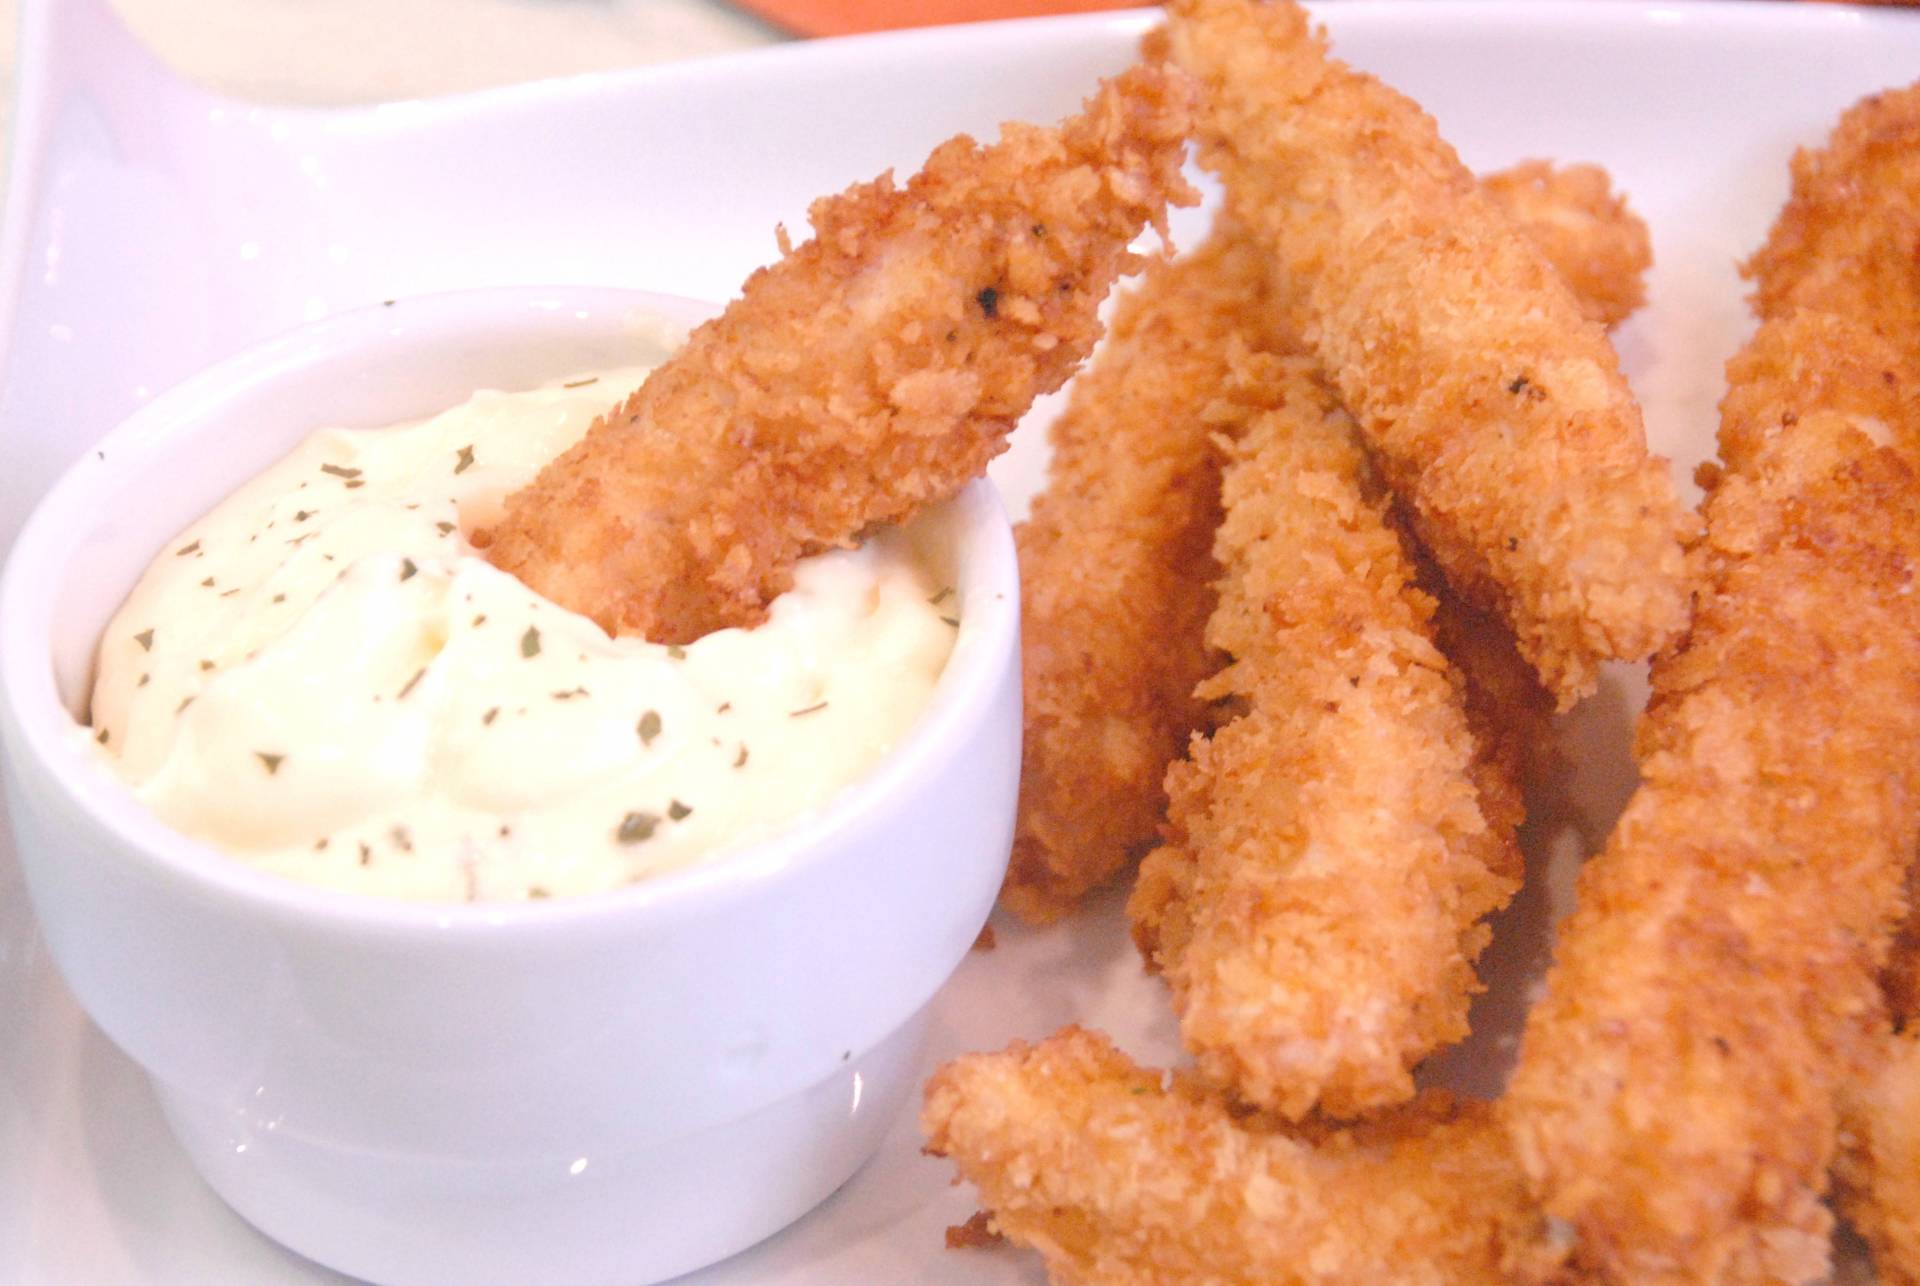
152	228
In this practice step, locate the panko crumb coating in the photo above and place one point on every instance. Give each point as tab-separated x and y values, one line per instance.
1117	570
1677	1093
1126	1177
1496	410
870	372
1322	894
1116	562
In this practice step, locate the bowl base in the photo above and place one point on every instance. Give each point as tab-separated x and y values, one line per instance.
647	1215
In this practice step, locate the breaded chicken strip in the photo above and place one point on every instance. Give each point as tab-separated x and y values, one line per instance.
1496	411
1845	241
1572	215
1117	1176
1115	560
1117	572
1321	898
872	371
1677	1090
1877	1180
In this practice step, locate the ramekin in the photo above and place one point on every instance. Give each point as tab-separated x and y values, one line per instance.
612	1088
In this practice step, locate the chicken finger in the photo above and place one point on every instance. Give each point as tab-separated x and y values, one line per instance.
1118	1177
1677	1089
873	370
1115	560
1322	894
1496	411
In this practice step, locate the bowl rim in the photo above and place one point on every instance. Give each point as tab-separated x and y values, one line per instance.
34	575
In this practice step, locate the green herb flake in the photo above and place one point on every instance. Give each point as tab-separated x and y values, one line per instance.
207	583
537	894
649	727
465	458
272	761
946	592
101	736
145	639
989	301
677	652
366	853
412	683
488	718
145	679
279	598
192	547
677	811
530	643
408	569
444	528
181	708
402	839
952	620
809	710
339	471
205	664
301	515
637	827
354	482
740	760
591	379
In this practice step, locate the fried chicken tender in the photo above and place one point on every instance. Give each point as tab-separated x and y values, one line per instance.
1116	563
1845	241
1677	1090
871	371
1321	898
1877	1178
1572	215
1496	411
1117	574
1117	1176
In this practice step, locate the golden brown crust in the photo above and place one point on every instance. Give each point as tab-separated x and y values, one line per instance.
1846	241
873	370
1117	574
1320	899
1877	1179
1571	214
1676	1092
1116	563
1495	409
1119	1176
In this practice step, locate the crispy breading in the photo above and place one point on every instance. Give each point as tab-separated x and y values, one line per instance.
1117	572
871	371
1572	215
1676	1094
1845	241
1322	894
1118	1175
1877	1179
1496	411
1116	566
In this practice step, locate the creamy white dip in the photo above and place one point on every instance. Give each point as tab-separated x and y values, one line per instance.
323	677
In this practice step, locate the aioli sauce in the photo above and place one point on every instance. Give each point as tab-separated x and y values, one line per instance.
324	678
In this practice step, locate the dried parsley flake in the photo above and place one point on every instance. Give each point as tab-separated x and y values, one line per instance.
636	827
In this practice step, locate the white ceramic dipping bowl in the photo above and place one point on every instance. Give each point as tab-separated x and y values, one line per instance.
613	1088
